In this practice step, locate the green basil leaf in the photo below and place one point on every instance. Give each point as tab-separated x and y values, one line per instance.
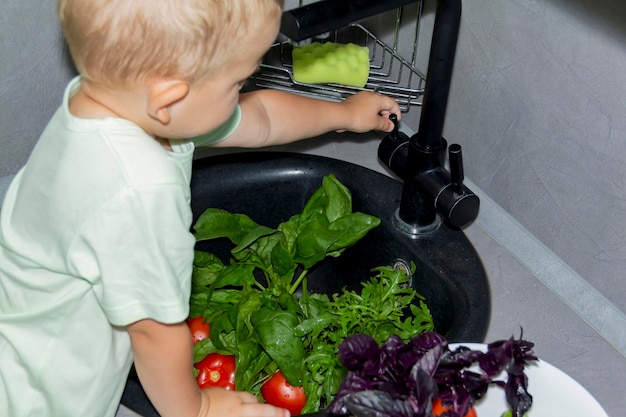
274	330
350	229
252	237
249	303
315	206
203	259
204	348
250	360
339	198
235	275
259	253
226	296
214	223
223	328
290	303
206	268
198	301
319	239
283	264
312	242
289	230
332	199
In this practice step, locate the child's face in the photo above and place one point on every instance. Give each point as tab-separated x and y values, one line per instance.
212	101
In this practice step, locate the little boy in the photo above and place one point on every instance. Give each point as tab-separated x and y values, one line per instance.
95	248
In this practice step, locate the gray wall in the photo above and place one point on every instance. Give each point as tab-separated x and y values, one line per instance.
34	68
538	101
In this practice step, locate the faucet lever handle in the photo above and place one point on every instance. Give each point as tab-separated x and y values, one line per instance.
455	157
396	124
459	204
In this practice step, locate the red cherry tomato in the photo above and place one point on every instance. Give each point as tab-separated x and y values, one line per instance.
439	409
199	329
277	391
216	371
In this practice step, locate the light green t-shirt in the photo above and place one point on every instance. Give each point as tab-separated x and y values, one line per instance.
94	235
222	132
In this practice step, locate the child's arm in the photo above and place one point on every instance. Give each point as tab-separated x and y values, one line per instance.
271	117
164	363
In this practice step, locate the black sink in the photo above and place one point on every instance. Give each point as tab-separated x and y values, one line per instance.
270	187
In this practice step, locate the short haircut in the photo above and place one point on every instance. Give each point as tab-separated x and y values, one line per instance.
119	42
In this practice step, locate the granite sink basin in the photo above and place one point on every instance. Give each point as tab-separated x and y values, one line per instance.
270	187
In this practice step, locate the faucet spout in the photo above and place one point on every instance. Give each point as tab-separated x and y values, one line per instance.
439	73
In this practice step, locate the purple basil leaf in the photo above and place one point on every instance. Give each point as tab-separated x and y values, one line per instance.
517	395
378	404
511	355
430	360
427	340
424	390
516	389
355	351
353	382
498	356
401	379
458	386
461	357
396	362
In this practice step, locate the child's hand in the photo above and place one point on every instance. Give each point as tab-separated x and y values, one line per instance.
370	111
218	402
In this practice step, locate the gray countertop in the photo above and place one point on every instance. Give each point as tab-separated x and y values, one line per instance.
561	337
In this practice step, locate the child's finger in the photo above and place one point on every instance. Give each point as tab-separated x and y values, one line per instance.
264	410
246	397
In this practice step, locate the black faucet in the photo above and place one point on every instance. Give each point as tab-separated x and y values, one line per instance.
325	15
419	161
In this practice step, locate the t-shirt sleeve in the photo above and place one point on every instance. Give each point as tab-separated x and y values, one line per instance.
222	132
137	251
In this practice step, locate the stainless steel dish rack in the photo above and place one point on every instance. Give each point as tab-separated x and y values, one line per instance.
393	66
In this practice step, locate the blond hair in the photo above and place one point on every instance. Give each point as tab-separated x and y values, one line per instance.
117	42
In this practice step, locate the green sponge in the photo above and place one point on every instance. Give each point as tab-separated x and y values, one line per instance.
331	62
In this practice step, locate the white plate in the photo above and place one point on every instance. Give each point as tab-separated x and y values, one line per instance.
554	393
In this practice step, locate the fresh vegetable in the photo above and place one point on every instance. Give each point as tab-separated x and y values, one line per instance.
216	371
253	308
200	330
439	409
401	379
277	391
379	310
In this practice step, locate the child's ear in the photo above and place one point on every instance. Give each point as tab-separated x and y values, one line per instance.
162	94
